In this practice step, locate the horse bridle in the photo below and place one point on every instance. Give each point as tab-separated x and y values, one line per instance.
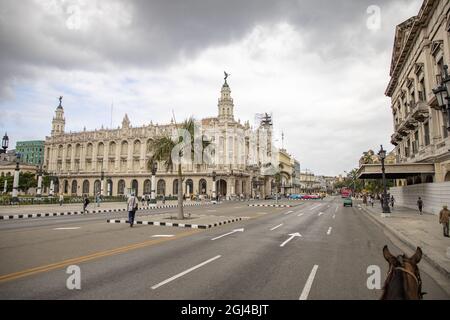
415	277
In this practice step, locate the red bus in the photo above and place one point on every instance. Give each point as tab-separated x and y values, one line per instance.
346	192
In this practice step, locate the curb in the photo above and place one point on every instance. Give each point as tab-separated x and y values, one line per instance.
69	213
406	241
271	205
179	225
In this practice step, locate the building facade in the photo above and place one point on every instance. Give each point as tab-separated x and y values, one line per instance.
421	50
421	134
115	161
32	152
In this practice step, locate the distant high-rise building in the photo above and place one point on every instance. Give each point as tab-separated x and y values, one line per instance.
31	152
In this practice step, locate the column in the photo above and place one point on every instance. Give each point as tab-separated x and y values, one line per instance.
39	186
52	187
153	189
16	184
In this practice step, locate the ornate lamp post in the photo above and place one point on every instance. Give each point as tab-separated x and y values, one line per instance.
442	93
382	155
153	191
15	198
5	143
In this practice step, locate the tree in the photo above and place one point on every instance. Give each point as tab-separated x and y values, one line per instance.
162	148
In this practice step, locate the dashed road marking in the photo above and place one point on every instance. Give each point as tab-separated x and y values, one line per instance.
68	228
329	230
274	228
156	286
309	282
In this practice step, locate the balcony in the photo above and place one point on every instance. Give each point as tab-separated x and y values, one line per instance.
420	111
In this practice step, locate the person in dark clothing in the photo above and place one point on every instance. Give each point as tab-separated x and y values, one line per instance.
420	205
85	203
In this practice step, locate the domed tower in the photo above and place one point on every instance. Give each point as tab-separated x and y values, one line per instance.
58	122
226	106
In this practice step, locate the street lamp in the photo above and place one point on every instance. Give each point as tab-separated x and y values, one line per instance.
153	191
442	93
385	202
5	143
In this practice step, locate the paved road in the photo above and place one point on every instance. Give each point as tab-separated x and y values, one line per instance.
268	259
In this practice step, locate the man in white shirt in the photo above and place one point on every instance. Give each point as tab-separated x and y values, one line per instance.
132	206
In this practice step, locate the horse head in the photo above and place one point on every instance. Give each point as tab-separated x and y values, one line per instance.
403	281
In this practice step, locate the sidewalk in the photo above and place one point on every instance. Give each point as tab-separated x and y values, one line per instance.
416	230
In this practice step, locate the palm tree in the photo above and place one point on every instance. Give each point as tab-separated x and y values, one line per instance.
162	152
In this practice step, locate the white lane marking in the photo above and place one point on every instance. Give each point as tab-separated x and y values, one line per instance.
334	216
315	207
292	236
163	236
156	286
301	214
211	210
308	284
336	209
237	207
262	213
328	206
289	212
320	213
329	230
71	228
227	234
276	227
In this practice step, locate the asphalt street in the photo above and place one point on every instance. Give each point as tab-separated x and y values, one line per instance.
314	250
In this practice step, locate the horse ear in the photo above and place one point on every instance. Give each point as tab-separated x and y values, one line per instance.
417	256
388	256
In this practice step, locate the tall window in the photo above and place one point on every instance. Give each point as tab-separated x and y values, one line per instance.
444	127
426	129
415	142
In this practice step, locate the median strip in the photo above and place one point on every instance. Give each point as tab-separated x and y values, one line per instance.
173	224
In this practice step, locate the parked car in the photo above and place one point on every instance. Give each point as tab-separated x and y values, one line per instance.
295	196
348	202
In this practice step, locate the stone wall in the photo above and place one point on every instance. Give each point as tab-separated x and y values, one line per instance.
434	196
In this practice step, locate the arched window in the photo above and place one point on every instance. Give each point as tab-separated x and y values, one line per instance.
161	188
112	148
101	150
85	187
66	187
89	150
137	147
121	187
147	186
124	148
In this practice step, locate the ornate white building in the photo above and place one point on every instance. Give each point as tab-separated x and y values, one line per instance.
114	162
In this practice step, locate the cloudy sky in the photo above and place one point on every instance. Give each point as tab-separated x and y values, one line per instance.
320	66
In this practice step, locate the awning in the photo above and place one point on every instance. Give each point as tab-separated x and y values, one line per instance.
395	171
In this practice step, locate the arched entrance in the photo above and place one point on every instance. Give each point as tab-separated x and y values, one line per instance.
121	187
56	186
189	187
109	187
97	187
135	187
447	176
85	187
66	187
147	186
161	188
221	187
175	187
202	186
74	187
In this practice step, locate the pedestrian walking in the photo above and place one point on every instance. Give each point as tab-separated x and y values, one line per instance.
85	203
420	205
143	200
392	202
97	199
163	199
444	217
132	206
61	200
